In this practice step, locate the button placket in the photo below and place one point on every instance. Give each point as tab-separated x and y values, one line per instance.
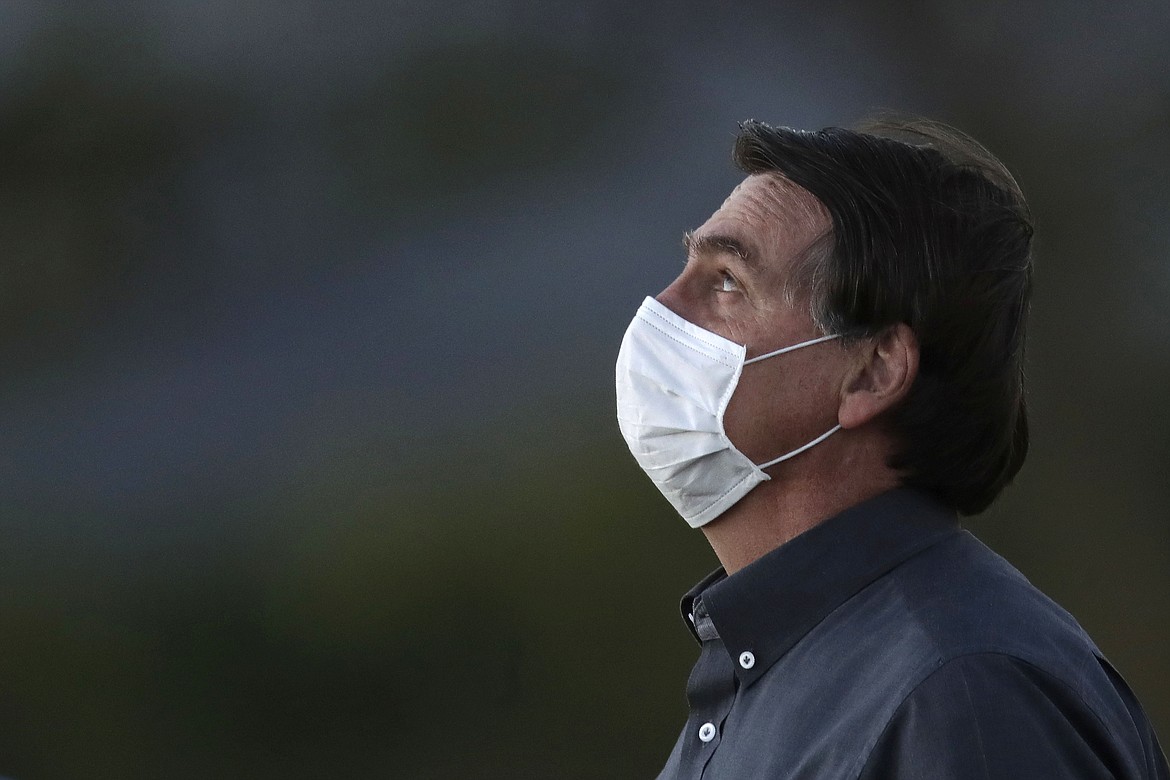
711	694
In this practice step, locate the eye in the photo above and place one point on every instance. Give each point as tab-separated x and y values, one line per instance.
727	283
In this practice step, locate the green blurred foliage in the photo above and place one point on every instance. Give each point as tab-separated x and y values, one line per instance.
94	137
457	116
358	628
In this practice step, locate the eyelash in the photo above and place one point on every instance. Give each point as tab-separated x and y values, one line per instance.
725	277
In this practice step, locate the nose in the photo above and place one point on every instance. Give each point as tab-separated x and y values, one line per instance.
675	297
689	297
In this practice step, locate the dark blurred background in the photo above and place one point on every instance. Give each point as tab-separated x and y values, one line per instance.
308	313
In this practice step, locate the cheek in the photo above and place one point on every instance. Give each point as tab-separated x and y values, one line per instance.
736	329
738	421
778	408
757	413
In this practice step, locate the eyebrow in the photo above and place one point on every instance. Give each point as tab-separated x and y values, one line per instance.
716	243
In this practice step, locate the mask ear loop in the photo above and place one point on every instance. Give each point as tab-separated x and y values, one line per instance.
799	450
801	345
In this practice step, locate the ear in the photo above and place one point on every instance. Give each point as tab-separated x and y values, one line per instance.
881	377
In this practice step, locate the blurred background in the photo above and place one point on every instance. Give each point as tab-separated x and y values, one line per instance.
308	314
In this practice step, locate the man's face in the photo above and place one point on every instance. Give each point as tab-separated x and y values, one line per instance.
738	262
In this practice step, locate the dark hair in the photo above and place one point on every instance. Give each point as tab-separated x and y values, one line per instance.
931	230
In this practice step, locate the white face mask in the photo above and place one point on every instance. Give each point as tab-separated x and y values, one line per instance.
674	381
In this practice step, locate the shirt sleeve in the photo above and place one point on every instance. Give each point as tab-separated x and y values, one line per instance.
992	716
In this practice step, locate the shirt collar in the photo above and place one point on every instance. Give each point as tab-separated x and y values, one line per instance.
765	608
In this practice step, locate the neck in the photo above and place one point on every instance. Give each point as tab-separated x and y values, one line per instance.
792	502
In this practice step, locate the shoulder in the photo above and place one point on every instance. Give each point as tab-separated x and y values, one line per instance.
991	715
997	680
960	598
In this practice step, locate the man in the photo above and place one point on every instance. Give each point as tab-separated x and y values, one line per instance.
833	379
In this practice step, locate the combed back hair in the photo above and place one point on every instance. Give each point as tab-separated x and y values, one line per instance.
931	230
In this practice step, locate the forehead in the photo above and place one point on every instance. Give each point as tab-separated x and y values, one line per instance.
778	218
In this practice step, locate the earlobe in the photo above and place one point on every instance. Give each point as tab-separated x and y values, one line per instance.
882	376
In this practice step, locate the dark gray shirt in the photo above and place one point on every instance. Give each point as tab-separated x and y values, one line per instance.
889	643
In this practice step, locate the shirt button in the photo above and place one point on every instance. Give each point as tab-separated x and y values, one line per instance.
747	660
707	731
